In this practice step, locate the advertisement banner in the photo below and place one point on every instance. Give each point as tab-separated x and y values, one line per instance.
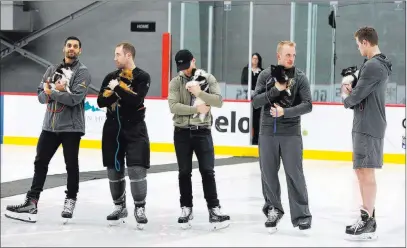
326	128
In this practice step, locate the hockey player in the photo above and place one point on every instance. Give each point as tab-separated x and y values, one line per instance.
284	94
367	98
63	89
192	134
125	133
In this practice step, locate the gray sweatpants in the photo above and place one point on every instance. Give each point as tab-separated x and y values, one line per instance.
290	149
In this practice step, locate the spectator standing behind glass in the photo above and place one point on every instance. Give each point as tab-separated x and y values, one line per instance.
256	69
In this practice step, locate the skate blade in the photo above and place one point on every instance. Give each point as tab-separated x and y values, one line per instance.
220	225
361	237
185	226
116	222
25	217
140	226
305	231
271	230
65	220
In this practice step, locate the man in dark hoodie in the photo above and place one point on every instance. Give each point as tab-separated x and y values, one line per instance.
368	98
63	89
280	137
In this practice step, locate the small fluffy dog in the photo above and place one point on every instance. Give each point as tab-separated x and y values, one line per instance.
280	74
349	80
199	78
125	78
63	76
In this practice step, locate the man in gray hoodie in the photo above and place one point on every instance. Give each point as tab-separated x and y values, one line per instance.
63	89
280	137
367	98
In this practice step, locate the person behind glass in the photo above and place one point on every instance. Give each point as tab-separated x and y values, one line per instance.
63	89
280	137
256	69
191	134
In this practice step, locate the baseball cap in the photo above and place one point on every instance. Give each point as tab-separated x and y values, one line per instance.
183	59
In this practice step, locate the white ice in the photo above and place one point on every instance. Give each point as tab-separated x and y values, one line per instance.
332	189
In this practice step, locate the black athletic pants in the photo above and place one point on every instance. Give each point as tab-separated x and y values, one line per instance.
48	144
125	139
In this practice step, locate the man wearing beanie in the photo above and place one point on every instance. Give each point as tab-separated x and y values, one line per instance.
192	94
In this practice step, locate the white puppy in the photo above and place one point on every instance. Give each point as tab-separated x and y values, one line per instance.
200	78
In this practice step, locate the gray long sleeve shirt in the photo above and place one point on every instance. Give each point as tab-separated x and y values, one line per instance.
368	98
299	103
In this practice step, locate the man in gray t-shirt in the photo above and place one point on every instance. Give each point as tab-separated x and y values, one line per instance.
366	95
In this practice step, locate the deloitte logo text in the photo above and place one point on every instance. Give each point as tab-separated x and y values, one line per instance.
224	124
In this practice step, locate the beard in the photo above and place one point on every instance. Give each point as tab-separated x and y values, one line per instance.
72	56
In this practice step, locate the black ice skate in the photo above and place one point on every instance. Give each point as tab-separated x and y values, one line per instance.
26	211
374	217
69	207
186	216
140	214
118	215
363	229
218	219
273	217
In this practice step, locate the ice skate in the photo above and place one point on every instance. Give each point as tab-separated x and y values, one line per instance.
273	217
26	211
186	217
218	219
374	217
69	207
140	214
363	229
118	215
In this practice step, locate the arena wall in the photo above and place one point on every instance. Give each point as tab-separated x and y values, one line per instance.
326	130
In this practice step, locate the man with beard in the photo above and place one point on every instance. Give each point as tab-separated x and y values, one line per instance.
283	93
193	134
63	89
125	133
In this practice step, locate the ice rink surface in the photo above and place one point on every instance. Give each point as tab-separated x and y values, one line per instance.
332	189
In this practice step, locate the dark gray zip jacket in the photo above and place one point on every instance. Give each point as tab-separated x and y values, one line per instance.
65	111
299	103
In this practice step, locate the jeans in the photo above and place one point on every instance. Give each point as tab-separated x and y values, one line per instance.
199	141
48	144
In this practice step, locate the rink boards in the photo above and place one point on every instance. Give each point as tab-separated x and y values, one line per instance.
326	130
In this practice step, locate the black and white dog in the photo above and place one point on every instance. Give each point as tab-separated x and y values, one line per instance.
63	76
283	76
200	78
350	78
